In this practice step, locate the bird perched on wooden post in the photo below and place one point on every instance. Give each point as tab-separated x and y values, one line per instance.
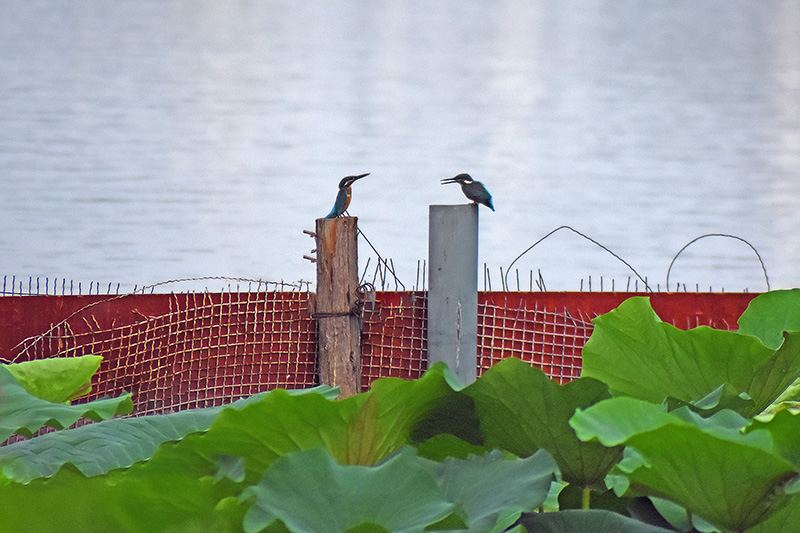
344	196
474	190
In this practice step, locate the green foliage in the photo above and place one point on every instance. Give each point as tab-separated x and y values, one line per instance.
480	491
521	410
769	315
57	379
732	479
23	413
664	417
359	494
124	441
725	468
589	520
638	355
492	490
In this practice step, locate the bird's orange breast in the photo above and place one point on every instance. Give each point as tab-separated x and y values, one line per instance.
347	201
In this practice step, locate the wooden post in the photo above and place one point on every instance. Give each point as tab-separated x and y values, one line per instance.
453	288
337	306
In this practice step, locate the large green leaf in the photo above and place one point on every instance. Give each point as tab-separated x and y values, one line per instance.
97	448
23	413
779	372
57	379
637	354
134	499
785	519
788	400
310	492
392	412
733	480
521	410
198	478
278	425
187	482
444	445
590	520
770	314
785	430
493	490
362	429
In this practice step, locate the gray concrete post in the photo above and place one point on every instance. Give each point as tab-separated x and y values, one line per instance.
453	288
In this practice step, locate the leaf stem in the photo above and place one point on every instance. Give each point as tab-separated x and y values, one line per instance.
587	496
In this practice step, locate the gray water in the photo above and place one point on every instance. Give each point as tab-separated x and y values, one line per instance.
146	141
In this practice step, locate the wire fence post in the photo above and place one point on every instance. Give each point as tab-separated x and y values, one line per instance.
453	288
337	306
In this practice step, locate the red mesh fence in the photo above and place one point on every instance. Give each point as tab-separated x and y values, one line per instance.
195	350
173	351
549	329
394	333
546	329
549	338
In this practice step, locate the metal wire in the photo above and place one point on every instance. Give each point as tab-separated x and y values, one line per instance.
725	235
505	278
383	267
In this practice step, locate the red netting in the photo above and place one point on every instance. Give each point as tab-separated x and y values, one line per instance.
547	338
189	350
196	350
393	342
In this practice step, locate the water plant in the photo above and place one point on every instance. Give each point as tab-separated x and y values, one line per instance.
665	430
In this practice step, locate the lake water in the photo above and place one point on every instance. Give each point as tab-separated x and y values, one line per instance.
151	140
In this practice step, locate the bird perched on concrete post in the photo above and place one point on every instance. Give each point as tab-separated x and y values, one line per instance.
344	196
474	190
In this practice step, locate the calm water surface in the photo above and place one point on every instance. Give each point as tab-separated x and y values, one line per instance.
145	141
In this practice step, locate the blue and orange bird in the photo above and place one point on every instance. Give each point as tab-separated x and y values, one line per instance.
344	196
474	190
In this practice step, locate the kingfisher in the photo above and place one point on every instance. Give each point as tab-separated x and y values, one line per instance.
474	190
343	198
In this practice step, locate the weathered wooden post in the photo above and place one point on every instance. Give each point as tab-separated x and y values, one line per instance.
453	288
337	307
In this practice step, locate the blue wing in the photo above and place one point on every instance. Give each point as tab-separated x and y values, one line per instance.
476	192
342	201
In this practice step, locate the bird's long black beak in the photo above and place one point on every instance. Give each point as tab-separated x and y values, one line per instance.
360	176
449	180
